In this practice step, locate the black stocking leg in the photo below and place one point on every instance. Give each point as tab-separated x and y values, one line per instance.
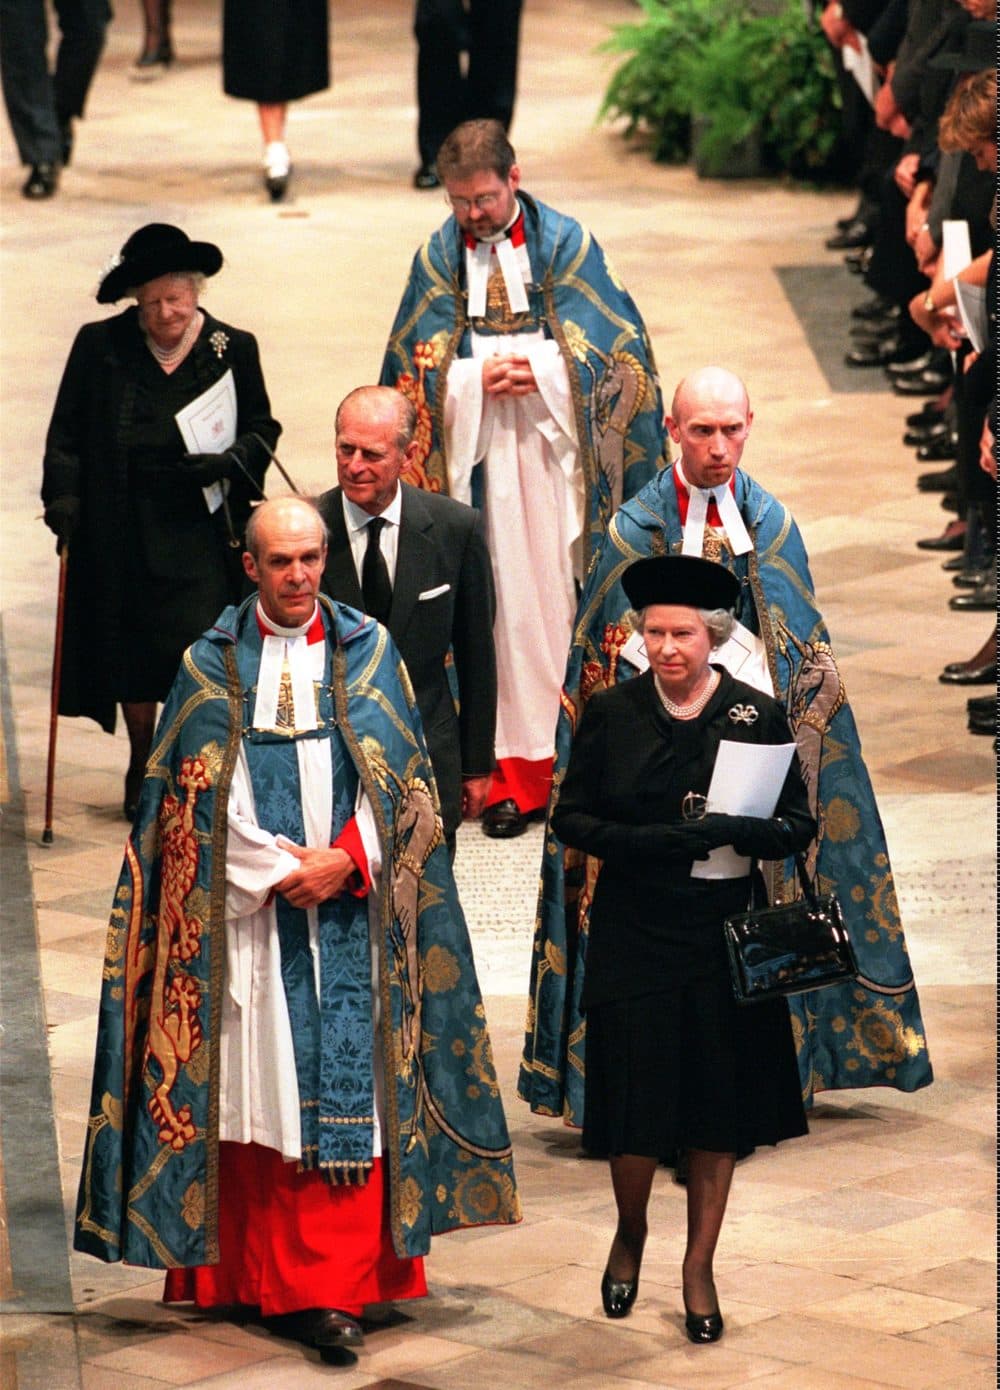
632	1179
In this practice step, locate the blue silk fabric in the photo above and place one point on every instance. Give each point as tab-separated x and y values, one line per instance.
576	298
149	1185
331	1034
866	1033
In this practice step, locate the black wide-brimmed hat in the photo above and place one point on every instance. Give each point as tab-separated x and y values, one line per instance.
680	579
154	250
978	53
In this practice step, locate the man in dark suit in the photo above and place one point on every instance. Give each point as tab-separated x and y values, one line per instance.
418	563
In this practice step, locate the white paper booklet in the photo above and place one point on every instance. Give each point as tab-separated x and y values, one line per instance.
746	781
208	426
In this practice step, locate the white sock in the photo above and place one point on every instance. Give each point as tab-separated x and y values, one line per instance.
277	161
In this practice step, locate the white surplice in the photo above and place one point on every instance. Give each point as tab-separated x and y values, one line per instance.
533	513
259	1099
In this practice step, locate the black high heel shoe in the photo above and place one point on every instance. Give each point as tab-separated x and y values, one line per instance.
702	1330
153	63
618	1295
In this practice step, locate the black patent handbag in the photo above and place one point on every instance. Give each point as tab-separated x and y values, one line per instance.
791	948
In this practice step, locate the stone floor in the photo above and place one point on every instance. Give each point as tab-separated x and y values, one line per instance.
863	1256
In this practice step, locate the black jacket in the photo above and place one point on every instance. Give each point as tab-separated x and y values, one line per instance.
442	600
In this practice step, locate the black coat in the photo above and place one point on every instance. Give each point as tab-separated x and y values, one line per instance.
629	769
441	546
160	534
275	50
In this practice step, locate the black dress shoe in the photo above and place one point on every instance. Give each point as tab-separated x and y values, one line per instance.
426	177
951	538
858	261
981	599
929	414
877	308
703	1329
277	186
970	578
317	1327
981	704
926	383
502	821
956	673
42	182
907	366
618	1295
938	482
942	446
918	435
871	354
153	63
854	234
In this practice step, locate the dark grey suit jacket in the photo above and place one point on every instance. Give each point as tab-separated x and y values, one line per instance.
441	547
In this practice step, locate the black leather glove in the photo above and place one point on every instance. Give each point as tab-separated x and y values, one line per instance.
206	468
62	516
760	837
680	841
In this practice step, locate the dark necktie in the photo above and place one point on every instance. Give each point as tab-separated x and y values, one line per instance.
375	587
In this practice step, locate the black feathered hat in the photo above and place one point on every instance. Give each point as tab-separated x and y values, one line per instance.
154	250
682	579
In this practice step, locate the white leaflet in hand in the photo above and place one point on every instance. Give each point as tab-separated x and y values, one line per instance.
956	250
971	300
208	426
746	781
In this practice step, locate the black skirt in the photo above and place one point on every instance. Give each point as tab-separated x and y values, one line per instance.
275	50
686	1067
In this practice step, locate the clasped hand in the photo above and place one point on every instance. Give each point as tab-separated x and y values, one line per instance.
321	874
508	376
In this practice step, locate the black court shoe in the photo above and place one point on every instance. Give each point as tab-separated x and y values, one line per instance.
703	1329
618	1295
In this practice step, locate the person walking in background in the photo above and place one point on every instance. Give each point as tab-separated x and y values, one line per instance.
424	572
157	49
42	106
537	397
274	52
123	492
485	30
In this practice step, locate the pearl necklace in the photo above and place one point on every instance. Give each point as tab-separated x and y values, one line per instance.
170	357
696	706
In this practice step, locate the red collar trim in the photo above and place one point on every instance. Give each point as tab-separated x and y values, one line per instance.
316	632
712	518
515	234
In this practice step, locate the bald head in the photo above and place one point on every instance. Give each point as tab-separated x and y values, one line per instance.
710	419
709	383
285	556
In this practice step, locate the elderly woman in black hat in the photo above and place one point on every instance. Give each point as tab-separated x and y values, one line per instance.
674	1066
153	530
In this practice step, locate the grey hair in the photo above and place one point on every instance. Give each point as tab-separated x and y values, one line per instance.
719	622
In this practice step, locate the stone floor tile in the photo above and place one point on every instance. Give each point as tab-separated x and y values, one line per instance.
975	1333
853	1209
783	1286
858	1351
101	1378
177	1357
966	1281
717	1367
951	1231
791	1378
884	1309
304	1370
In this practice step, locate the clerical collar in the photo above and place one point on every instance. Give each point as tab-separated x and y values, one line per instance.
514	231
712	506
357	518
312	630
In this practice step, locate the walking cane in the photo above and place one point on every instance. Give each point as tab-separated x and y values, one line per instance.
50	776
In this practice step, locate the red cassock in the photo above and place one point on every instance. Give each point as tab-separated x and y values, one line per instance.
289	1240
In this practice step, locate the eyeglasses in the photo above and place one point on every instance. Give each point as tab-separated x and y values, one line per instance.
486	202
